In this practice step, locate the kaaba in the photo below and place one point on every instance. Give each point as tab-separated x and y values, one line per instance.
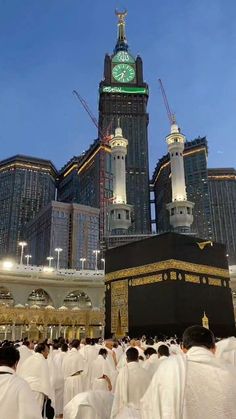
163	284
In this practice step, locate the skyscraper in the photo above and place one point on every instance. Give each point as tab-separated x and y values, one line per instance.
124	94
27	184
73	228
87	180
222	192
195	167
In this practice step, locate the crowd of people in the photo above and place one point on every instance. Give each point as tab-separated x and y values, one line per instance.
119	379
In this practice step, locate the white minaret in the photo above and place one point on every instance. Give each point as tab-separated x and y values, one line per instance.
180	209
119	210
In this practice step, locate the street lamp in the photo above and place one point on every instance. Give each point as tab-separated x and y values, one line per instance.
82	260
103	261
50	258
96	253
7	264
28	257
58	250
22	244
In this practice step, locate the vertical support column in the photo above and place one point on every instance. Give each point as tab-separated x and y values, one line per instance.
64	332
51	332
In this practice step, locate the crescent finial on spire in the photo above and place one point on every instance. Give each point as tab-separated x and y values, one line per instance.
121	44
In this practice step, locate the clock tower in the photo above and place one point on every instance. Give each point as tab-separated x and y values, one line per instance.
124	95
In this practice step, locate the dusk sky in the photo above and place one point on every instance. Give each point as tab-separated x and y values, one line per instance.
50	47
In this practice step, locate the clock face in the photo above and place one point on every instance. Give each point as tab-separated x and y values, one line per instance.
123	73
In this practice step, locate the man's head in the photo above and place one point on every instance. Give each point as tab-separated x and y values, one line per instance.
42	348
103	352
149	351
163	350
31	344
198	336
88	341
9	357
138	343
64	347
109	344
26	343
75	344
132	354
149	342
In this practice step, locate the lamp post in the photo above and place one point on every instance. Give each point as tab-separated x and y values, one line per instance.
58	250
96	253
22	245
28	257
7	264
50	258
82	260
103	261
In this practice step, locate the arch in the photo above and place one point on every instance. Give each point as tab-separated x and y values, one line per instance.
6	297
39	297
78	299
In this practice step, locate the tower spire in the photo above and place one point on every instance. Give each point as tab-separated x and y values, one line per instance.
119	210
121	43
180	209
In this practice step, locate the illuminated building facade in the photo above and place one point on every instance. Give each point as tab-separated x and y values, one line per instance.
27	184
195	167
87	180
39	304
123	94
222	192
71	227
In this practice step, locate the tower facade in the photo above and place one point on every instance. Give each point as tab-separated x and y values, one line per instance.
222	188
27	185
73	227
119	211
197	186
180	209
87	180
124	95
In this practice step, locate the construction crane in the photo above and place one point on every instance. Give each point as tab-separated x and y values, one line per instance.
104	138
170	114
103	135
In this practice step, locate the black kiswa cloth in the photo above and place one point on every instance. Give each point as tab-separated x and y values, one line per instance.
48	411
167	246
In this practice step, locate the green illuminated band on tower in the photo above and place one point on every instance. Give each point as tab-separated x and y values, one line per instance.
122	89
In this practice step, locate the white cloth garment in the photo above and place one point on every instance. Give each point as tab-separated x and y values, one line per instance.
73	363
17	400
99	368
128	413
112	367
226	349
54	360
118	352
89	353
35	371
152	363
191	386
25	353
131	385
89	405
